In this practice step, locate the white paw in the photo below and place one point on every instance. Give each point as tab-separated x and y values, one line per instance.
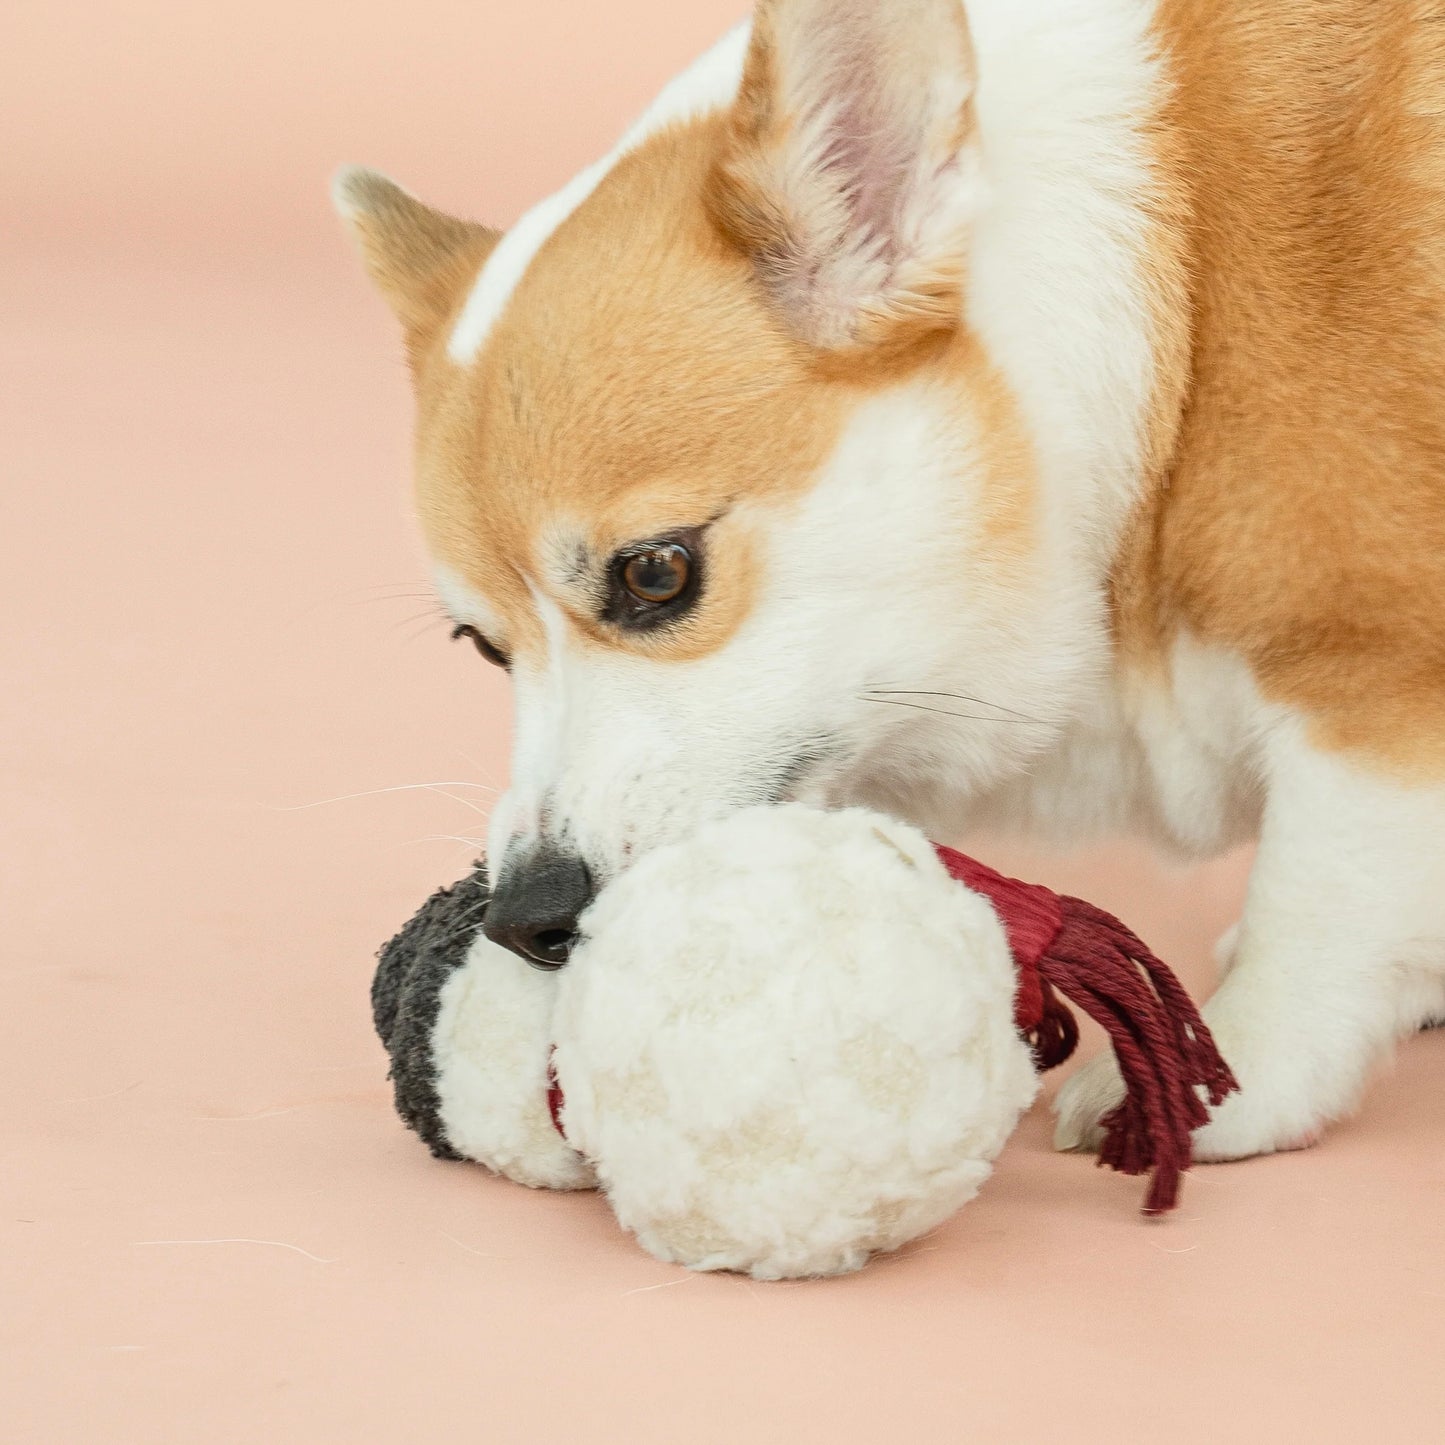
1252	1122
1084	1100
1265	1117
1290	1086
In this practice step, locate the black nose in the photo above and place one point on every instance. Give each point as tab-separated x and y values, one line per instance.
536	903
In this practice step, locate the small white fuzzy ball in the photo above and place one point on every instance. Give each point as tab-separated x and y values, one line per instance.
490	1049
788	1043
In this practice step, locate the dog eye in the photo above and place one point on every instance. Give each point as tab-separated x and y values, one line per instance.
657	573
492	653
652	583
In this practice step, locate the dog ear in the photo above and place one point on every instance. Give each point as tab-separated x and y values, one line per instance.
850	172
422	261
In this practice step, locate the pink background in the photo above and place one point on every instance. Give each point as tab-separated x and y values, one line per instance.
221	677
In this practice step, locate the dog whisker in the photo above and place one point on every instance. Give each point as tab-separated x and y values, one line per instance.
477	912
955	696
428	616
440	788
428	624
949	712
388	587
472	843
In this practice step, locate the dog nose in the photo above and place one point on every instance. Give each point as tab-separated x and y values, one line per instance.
536	903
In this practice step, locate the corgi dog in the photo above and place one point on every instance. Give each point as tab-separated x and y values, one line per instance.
1005	413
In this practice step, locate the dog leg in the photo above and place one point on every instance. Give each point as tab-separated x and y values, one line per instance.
1341	950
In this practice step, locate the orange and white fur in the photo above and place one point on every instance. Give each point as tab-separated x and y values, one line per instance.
1051	391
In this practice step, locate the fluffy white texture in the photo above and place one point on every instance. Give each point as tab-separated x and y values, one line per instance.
1059	260
1180	759
788	1043
492	1043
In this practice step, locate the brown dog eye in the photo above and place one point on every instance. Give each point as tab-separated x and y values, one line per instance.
489	650
655	583
658	573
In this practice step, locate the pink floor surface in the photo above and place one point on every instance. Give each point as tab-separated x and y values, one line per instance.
222	683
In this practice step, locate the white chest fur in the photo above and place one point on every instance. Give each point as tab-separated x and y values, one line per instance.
1175	758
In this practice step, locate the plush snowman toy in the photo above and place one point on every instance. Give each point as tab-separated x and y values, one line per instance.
791	1041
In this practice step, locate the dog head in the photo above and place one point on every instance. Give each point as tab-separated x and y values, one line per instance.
709	457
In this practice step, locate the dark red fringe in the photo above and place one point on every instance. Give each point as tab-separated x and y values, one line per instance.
555	1101
1056	1035
1166	1054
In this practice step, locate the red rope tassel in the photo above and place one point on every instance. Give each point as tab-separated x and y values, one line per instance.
1166	1054
1056	1035
555	1101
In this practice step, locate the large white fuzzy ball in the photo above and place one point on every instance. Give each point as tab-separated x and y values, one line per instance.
788	1043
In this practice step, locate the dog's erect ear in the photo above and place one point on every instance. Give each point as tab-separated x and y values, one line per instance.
421	260
850	172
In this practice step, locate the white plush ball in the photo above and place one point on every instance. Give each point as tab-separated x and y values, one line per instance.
788	1043
490	1049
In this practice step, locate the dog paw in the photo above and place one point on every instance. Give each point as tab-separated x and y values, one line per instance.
1254	1121
1290	1088
1091	1093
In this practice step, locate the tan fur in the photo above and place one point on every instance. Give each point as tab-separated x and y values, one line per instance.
420	259
1302	520
1004	484
671	398
675	396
